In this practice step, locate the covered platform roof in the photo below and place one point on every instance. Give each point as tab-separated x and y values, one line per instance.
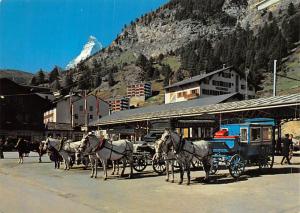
279	107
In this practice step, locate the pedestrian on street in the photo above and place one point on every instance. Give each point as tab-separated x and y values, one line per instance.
286	149
1	148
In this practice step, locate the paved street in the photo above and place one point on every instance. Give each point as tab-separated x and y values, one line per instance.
38	187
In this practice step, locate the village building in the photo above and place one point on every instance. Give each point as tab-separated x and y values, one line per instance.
72	112
118	103
139	90
219	82
21	110
138	93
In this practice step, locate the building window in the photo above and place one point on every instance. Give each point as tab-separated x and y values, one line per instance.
81	108
100	116
251	88
221	84
206	81
76	116
91	108
195	91
91	116
243	86
244	135
267	133
255	134
226	75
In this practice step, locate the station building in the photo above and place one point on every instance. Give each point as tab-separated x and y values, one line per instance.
219	82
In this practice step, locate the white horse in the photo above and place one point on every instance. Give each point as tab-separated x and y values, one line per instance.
167	153
186	151
64	148
115	150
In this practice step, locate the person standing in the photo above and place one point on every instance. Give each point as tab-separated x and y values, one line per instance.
1	148
286	149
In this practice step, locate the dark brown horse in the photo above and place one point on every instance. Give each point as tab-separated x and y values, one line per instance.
24	146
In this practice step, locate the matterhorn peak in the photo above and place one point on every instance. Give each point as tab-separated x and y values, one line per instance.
90	48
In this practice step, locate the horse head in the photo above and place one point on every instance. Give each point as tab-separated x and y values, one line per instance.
171	140
88	142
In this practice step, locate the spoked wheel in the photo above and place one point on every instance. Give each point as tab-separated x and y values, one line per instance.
139	163
214	168
236	166
197	164
159	165
266	162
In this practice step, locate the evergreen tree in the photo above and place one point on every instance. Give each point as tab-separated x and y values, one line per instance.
40	77
111	81
53	75
56	85
67	81
291	9
33	81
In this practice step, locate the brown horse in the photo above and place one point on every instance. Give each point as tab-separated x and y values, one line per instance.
24	146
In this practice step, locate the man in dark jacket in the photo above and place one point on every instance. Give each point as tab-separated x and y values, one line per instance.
1	148
286	149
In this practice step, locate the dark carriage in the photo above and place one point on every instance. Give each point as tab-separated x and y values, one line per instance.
248	143
144	155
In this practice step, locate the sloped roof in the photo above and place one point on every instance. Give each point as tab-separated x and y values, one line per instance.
197	78
200	107
163	110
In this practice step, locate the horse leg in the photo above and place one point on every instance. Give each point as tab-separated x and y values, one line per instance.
188	172
40	157
167	170
131	166
104	162
96	165
118	166
207	164
114	167
92	165
181	169
124	166
172	170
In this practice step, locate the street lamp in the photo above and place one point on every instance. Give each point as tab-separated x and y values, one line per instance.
247	73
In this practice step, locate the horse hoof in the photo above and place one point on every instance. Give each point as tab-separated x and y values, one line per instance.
172	181
179	183
95	177
91	176
104	179
129	176
187	183
112	173
167	180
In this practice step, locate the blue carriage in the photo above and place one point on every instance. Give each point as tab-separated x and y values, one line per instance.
241	144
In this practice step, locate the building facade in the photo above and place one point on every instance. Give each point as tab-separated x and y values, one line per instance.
139	90
219	82
76	111
118	104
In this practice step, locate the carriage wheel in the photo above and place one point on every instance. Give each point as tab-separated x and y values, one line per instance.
139	163
266	162
214	168
197	164
159	165
236	166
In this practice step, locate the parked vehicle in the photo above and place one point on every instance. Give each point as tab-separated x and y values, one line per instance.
248	143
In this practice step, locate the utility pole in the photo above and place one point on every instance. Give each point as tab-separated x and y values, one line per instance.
247	73
274	79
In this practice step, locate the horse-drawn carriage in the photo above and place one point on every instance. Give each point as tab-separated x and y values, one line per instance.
144	155
248	143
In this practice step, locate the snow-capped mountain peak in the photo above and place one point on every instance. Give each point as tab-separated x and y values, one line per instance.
90	48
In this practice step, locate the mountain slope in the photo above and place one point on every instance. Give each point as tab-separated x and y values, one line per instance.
195	36
17	76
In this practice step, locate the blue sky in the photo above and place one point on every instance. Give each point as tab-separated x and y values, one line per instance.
38	34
